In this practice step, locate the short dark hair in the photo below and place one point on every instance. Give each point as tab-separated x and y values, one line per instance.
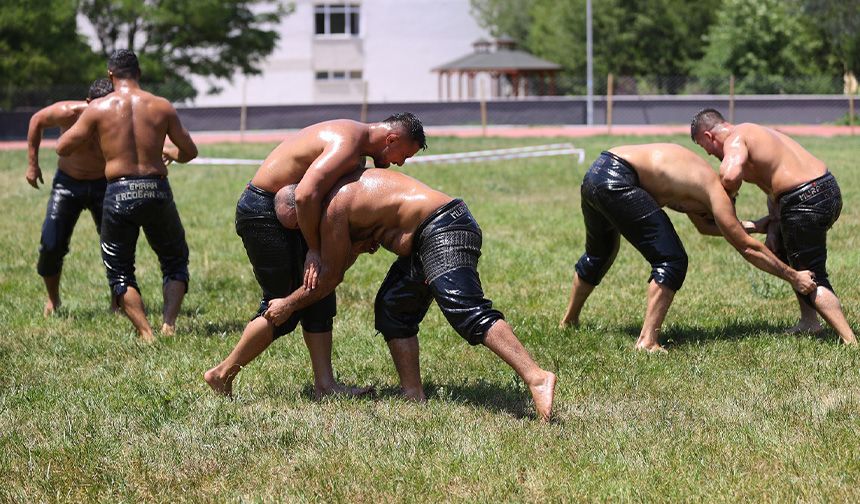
286	196
411	125
123	64
705	120
99	88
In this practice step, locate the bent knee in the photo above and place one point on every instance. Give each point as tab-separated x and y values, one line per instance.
671	272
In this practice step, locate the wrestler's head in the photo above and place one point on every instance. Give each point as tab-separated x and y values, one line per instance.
405	137
285	207
706	129
99	88
123	64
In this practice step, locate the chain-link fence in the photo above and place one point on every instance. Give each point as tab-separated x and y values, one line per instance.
616	100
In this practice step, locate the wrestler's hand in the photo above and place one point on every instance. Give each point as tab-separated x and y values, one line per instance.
804	282
169	154
312	269
34	174
278	311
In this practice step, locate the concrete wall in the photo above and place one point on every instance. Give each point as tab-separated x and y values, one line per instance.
538	111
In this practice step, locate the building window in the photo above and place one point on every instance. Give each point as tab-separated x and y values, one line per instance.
336	19
337	75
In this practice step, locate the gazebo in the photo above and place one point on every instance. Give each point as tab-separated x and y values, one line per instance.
510	71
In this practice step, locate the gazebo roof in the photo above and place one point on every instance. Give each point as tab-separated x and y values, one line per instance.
502	59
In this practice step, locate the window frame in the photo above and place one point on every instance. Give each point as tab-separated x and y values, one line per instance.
352	18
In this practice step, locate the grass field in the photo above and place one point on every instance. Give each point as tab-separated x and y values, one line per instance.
736	411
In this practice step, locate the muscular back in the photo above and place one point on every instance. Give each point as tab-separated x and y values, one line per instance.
775	162
385	206
675	176
289	161
130	125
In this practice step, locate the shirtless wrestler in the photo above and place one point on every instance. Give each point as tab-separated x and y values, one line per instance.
315	158
438	243
79	184
806	194
622	195
131	125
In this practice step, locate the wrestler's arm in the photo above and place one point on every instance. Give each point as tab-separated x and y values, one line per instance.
49	117
704	225
80	132
735	154
184	149
753	250
337	257
335	161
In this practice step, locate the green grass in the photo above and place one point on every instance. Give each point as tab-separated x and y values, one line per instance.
736	411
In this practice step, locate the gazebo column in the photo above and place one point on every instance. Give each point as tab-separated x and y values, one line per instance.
460	85
439	86
448	86
471	85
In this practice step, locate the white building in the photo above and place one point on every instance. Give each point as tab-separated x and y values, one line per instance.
332	52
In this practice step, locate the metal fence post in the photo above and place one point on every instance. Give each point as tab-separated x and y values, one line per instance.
243	111
609	92
732	98
363	114
483	110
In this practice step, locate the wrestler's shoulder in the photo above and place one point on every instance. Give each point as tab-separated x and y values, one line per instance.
61	111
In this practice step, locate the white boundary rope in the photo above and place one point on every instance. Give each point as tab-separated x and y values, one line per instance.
532	151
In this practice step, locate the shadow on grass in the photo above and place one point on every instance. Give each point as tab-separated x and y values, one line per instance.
509	400
679	335
224	327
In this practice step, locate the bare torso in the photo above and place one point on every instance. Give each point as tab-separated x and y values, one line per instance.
290	160
673	175
775	162
131	127
385	206
87	162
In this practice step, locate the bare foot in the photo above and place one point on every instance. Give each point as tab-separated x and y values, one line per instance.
51	307
168	330
341	389
415	395
543	395
221	385
146	336
568	323
650	347
804	326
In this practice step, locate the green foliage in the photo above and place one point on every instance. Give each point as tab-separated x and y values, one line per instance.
682	46
40	48
510	18
767	45
839	24
631	37
177	38
738	411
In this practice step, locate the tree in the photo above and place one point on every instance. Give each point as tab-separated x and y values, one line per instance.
839	24
770	46
631	37
177	38
34	61
509	18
